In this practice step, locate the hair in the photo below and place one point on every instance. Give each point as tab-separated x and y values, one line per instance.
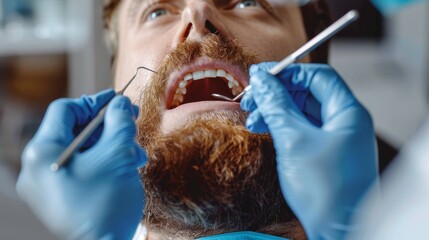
316	17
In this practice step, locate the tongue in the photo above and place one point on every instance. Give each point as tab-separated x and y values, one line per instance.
202	90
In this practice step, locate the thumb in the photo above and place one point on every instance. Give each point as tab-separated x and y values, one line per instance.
117	151
274	102
119	121
328	87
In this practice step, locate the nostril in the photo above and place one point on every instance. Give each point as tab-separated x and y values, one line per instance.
187	32
211	27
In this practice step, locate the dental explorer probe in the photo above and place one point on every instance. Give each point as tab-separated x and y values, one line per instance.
89	129
322	37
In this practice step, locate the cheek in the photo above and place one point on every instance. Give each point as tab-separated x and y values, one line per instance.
274	40
133	54
273	44
135	89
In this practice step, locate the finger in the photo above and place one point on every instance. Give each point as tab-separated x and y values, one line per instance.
274	102
331	91
65	115
97	133
115	159
294	80
57	128
329	95
255	123
119	121
310	107
136	110
93	138
91	105
247	102
264	66
142	156
291	77
117	151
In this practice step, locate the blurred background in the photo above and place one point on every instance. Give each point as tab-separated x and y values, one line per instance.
55	48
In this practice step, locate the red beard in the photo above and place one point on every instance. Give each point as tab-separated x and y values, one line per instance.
210	175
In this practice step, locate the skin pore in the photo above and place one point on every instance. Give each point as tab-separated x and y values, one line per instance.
233	34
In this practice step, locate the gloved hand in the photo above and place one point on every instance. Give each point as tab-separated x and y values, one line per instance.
323	171
98	195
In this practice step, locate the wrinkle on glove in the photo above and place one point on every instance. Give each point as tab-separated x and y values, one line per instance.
98	195
325	170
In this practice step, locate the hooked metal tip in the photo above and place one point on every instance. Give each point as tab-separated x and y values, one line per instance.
150	70
135	75
88	130
235	99
222	97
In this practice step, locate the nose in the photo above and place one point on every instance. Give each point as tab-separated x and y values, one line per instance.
199	18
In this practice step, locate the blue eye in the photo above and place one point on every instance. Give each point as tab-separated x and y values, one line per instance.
247	3
157	13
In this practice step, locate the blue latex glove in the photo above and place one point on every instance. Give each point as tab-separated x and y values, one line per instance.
98	195
323	171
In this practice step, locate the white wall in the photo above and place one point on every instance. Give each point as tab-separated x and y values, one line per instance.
89	60
409	43
391	78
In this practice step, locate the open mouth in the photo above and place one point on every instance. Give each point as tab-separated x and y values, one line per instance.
200	85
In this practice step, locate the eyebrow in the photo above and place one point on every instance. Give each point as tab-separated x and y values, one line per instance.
265	4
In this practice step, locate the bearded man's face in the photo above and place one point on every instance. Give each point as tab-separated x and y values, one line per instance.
205	170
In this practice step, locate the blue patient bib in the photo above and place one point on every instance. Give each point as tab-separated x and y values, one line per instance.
242	236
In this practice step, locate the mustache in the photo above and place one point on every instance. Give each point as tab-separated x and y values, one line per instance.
212	46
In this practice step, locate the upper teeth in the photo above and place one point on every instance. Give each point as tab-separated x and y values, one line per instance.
233	84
